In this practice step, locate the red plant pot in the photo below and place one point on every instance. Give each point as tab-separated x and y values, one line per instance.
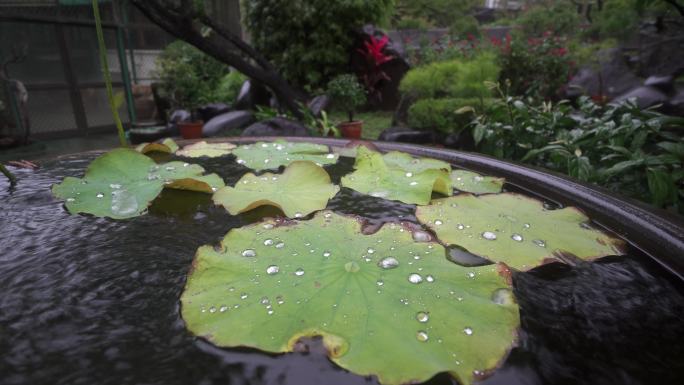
351	130
191	130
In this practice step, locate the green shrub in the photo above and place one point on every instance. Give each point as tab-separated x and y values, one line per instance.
558	19
465	27
458	78
347	94
229	87
188	75
412	23
617	19
446	115
309	41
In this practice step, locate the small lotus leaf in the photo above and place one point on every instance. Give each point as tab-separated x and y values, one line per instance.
302	189
211	150
384	304
166	146
122	183
515	229
475	183
373	176
406	162
271	155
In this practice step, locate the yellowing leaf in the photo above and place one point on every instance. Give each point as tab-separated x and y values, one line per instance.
211	150
166	146
302	189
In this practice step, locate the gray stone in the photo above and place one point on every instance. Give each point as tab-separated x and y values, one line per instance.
252	94
228	121
615	77
318	104
209	111
404	135
276	127
645	96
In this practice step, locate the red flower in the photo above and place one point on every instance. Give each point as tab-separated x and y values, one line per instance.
374	50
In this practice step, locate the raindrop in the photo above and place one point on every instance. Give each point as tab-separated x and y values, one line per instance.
380	282
100	195
269	312
299	272
526	225
388	263
115	186
265	301
517	237
370	251
212	309
70	199
421	236
169	168
327	215
430	278
243	296
459	226
330	156
214	189
438	222
280	300
240	161
422	336
422	316
298	215
413	183
273	269
223	308
468	331
488	235
463	257
409	174
415	278
268	242
249	253
326	254
539	243
471	275
279	245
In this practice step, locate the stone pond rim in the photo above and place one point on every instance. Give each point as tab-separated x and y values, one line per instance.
656	232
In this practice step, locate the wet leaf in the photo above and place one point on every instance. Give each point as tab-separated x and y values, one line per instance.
271	155
396	179
406	162
302	189
514	229
167	146
122	183
475	183
384	304
201	149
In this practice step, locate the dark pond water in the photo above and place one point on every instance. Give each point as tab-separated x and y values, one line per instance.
86	300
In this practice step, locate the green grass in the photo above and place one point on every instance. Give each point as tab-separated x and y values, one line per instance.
374	122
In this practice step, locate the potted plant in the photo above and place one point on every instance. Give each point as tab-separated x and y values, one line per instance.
348	95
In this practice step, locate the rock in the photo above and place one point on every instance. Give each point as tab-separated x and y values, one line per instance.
615	77
227	121
645	96
405	135
252	94
209	111
663	83
276	127
176	117
400	117
676	104
462	140
318	104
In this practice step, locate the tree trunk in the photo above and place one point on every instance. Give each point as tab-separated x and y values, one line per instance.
185	22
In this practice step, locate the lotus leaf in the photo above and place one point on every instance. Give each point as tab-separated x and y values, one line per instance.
373	176
122	183
475	183
406	162
211	150
302	189
384	304
515	229
271	155
166	146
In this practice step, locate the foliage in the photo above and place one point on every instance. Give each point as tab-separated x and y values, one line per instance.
439	13
412	23
515	229
300	190
377	177
271	155
458	78
617	19
347	94
204	149
309	41
374	56
12	179
446	115
122	183
372	298
619	146
465	27
468	181
560	19
229	87
188	75
538	67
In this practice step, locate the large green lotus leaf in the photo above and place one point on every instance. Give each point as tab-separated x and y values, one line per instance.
374	177
271	155
166	146
302	189
406	162
201	149
475	183
515	229
384	304
122	183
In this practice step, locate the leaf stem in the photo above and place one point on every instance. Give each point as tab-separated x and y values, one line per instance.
8	174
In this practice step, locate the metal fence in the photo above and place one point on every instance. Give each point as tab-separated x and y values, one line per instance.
54	47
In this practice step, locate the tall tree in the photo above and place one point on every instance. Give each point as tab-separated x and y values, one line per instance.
187	20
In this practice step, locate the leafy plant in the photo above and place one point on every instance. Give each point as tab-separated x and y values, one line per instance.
374	56
378	301
309	41
559	19
271	155
618	146
327	126
347	94
446	115
229	87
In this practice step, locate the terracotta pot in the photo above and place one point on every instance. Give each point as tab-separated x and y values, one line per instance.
351	130
191	130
